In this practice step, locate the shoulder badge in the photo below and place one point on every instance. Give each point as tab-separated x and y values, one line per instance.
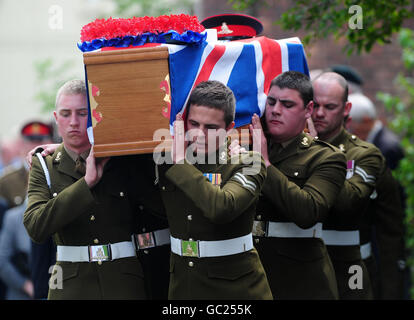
342	147
305	141
57	159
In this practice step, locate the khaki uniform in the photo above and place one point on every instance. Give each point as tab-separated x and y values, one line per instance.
79	216
301	186
221	208
364	165
13	185
386	216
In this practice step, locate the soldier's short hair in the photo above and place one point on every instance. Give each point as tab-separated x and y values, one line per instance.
71	87
296	81
333	76
214	94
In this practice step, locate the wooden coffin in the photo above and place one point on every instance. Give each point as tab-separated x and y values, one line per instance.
129	100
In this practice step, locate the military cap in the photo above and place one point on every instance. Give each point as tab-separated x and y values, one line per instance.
233	26
36	131
349	73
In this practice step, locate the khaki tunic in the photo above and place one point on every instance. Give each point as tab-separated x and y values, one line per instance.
13	185
198	209
301	186
350	207
79	216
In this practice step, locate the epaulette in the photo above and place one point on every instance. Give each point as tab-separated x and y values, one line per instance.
325	144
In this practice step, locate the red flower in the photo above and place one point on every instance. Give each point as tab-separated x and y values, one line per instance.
112	28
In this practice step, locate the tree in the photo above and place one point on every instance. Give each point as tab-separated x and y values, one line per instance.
363	23
137	8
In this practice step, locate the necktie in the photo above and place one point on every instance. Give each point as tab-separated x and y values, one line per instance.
80	166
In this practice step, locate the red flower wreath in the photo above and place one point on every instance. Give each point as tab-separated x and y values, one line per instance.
113	28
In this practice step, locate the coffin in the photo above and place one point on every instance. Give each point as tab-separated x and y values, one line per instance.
128	92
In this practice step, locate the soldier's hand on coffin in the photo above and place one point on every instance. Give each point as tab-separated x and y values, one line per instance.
179	143
235	148
259	139
94	169
311	127
47	149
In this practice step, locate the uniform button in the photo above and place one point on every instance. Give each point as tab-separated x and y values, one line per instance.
296	173
353	137
316	138
189	217
92	217
121	194
163	187
141	207
259	217
146	251
143	229
99	262
256	240
191	239
54	195
96	241
191	264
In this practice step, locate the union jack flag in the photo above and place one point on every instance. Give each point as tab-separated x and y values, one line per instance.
246	66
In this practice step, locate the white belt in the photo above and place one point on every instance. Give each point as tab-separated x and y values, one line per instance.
151	239
366	250
106	252
285	230
203	249
340	238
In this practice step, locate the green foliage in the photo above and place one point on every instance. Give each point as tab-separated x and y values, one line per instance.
50	76
402	107
138	8
380	19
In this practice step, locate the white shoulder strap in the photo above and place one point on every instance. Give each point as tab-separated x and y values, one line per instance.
46	171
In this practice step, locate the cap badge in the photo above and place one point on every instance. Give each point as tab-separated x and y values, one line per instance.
225	29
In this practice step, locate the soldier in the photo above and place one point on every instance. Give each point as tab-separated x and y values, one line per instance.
382	233
210	206
304	175
364	165
13	184
86	208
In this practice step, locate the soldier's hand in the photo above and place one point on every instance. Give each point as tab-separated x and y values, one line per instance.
179	143
28	288
47	149
94	169
259	139
235	148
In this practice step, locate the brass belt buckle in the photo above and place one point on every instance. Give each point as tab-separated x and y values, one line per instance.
100	253
259	228
145	240
190	248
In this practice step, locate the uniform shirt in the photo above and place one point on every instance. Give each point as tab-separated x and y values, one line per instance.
301	186
218	208
79	216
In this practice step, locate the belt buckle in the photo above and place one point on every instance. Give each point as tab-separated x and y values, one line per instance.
144	240
100	253
190	248
259	228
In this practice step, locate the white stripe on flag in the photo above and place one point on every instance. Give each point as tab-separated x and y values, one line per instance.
261	96
89	130
284	54
224	66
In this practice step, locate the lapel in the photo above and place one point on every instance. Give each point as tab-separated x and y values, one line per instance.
302	141
64	163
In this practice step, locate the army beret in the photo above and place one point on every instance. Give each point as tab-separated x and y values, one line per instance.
348	73
37	130
233	26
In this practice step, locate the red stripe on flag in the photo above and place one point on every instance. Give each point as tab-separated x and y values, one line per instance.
272	60
209	64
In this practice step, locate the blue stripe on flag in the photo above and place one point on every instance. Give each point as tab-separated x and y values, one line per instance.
297	59
184	66
242	82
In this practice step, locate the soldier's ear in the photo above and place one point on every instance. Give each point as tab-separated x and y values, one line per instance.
55	116
347	108
230	126
309	109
